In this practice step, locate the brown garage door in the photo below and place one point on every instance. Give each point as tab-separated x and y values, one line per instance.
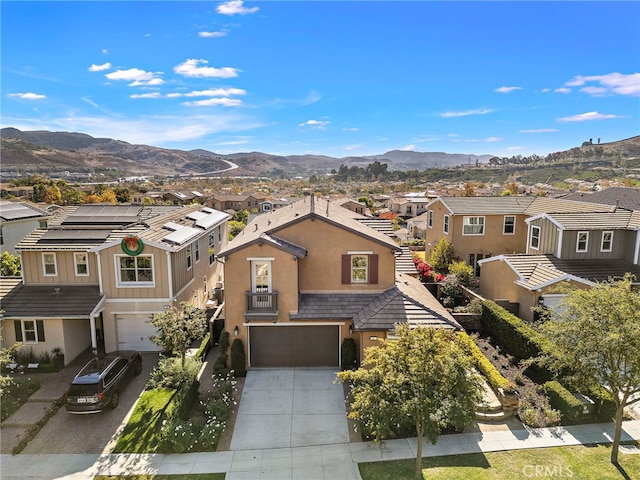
301	346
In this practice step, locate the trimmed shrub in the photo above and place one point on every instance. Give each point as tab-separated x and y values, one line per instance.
238	361
562	399
605	407
205	346
349	354
484	365
170	374
220	364
223	341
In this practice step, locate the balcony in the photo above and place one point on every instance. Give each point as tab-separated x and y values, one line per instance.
261	306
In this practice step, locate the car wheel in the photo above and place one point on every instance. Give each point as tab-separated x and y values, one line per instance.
115	399
138	367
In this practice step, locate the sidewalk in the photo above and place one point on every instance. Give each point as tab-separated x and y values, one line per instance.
330	461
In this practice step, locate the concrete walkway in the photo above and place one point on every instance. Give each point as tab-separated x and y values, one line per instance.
338	461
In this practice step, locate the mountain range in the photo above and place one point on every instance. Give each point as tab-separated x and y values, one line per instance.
60	151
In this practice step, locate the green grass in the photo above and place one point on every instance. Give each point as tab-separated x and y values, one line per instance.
141	434
191	476
579	462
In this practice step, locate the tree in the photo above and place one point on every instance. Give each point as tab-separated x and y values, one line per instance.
442	256
178	327
596	335
7	355
423	376
9	265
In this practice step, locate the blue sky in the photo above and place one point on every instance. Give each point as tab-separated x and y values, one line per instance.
333	78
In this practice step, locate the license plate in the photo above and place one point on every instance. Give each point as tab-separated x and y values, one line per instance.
84	399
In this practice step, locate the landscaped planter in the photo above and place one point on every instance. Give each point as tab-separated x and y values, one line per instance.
509	400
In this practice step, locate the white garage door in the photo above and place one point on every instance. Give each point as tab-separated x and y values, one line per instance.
134	332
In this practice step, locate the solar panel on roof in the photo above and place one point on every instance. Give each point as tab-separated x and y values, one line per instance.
14	211
211	219
182	235
99	220
74	236
107	210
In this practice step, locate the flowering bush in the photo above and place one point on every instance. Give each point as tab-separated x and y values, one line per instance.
424	269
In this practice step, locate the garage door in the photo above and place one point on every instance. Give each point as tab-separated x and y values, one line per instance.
134	332
300	346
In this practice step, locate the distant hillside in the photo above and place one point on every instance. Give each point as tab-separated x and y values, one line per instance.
44	151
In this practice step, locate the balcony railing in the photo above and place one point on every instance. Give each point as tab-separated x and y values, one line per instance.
263	302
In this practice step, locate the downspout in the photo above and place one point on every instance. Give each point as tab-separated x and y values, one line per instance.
528	236
169	275
559	253
637	249
99	272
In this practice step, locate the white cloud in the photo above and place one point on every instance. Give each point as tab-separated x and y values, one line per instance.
612	83
136	76
493	139
410	148
507	89
352	147
191	68
319	124
89	101
538	130
312	98
595	91
99	68
216	92
235	7
515	148
212	34
105	51
562	90
214	102
466	113
27	96
146	95
583	117
351	129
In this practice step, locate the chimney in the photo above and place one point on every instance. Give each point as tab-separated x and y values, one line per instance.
617	205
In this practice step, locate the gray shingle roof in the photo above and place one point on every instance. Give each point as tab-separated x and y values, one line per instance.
625	197
560	205
593	221
486	205
51	301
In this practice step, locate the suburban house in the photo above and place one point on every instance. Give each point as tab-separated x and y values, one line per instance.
598	243
178	197
17	220
353	205
409	205
478	227
272	204
96	275
301	279
236	203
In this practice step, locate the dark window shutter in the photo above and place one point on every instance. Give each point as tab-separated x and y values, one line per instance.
40	329
346	269
18	325
373	269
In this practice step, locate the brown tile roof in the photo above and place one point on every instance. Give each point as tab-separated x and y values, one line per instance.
51	301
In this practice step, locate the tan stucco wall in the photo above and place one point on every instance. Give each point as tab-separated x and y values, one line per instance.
77	338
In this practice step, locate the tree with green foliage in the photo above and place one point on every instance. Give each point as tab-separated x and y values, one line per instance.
72	196
7	355
422	376
442	256
235	228
178	327
238	361
10	265
596	335
462	271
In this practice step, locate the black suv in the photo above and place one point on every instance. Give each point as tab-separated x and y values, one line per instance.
97	386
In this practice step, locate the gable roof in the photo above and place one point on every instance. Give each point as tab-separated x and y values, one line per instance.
512	205
560	205
538	271
620	219
307	208
51	301
13	211
624	197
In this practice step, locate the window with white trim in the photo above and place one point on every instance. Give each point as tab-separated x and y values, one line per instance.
430	219
188	252
606	244
509	226
582	242
445	224
473	226
29	331
81	263
49	264
359	268
135	270
535	237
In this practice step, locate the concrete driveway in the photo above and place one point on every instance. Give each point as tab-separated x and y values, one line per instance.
296	407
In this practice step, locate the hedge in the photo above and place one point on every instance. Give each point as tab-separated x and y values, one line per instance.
563	400
484	365
605	406
205	345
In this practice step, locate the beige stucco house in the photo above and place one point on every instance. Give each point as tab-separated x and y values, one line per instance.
96	275
301	279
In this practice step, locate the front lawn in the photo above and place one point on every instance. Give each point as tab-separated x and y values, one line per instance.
579	462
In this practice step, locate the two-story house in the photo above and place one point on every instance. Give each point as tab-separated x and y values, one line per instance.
235	203
18	219
98	273
301	279
477	227
578	247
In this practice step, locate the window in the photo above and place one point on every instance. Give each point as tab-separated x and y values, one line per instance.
196	250
29	331
445	224
212	248
607	241
360	268
535	237
473	226
582	242
49	264
81	264
509	227
430	219
409	210
42	224
188	252
473	261
135	270
261	276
